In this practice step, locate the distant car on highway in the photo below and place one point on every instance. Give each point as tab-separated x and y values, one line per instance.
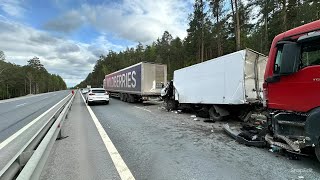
84	91
97	95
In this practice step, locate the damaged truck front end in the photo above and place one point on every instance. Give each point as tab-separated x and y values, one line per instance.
297	130
291	89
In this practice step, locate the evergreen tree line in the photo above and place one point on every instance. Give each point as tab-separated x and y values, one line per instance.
216	27
32	78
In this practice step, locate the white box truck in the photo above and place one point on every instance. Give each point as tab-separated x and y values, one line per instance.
137	82
230	84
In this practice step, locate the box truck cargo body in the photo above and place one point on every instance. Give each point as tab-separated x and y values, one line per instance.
137	82
217	84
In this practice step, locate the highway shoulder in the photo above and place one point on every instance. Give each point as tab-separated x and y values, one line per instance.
82	154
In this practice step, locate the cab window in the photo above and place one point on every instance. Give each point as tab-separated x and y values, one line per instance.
276	68
310	55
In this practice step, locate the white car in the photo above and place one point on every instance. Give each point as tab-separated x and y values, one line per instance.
85	90
97	95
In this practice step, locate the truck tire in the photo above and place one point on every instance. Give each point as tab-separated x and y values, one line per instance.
214	115
125	97
130	98
171	104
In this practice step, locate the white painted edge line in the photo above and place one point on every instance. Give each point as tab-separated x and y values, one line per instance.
16	134
143	109
122	168
26	145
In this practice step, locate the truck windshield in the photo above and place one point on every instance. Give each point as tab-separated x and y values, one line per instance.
310	55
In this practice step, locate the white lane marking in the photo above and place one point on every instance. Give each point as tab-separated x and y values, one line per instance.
21	104
122	168
142	109
15	135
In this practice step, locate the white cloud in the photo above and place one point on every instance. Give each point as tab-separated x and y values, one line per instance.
12	7
128	20
134	20
71	60
67	22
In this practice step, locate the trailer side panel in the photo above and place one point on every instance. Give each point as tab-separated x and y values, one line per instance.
217	81
126	80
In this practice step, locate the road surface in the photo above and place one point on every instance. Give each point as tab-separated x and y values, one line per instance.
155	144
16	113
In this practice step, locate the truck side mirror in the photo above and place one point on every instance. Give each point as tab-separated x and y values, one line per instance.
290	59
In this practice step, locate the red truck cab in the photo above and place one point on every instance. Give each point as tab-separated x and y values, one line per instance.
292	87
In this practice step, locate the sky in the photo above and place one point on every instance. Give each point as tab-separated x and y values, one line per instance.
69	35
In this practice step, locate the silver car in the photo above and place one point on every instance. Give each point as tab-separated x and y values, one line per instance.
97	95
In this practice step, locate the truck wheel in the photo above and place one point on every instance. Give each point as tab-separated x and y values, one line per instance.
317	152
130	98
125	97
171	104
214	115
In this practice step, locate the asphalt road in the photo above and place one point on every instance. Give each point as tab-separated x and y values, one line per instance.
156	144
16	113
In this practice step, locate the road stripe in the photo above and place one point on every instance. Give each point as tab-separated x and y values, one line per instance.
15	135
122	168
21	104
142	109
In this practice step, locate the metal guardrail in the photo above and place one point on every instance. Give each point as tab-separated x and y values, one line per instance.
30	160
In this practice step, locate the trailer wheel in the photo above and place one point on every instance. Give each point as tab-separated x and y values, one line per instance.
125	97
214	115
130	98
171	104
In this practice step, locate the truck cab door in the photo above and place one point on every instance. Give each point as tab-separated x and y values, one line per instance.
298	91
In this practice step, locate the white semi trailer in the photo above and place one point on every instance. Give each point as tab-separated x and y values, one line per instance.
230	84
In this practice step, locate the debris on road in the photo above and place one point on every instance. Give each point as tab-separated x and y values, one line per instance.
193	116
248	135
196	119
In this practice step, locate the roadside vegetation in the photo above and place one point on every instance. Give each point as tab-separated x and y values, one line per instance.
216	28
33	78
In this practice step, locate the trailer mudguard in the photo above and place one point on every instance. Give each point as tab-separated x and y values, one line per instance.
312	126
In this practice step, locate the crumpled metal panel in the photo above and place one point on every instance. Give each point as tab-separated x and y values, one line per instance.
255	64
